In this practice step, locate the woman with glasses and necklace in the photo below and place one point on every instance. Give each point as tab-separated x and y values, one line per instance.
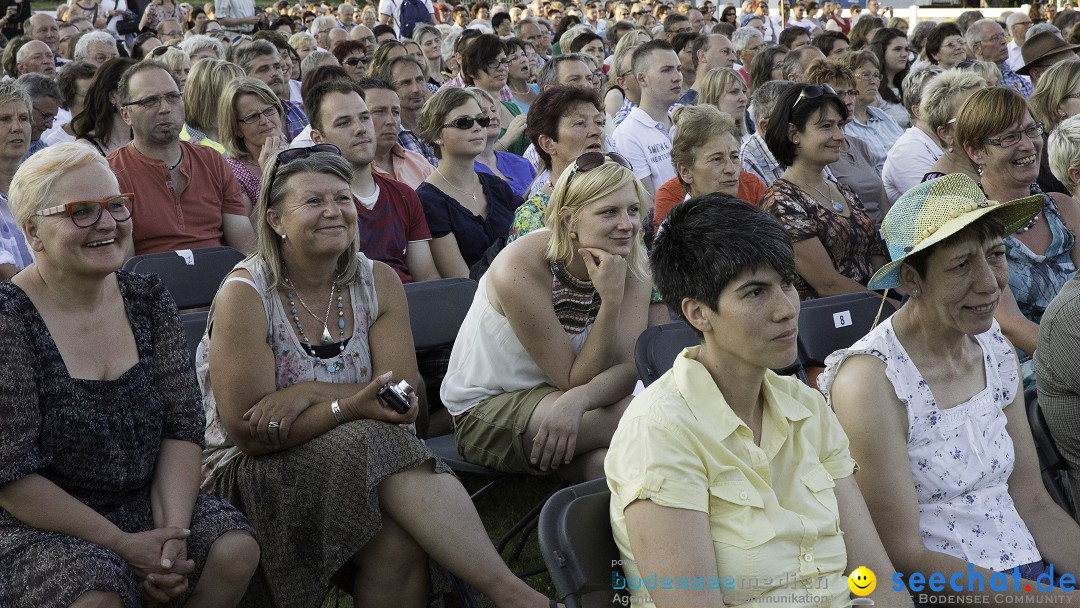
103	426
543	367
1004	143
837	247
869	123
302	337
484	65
468	212
251	118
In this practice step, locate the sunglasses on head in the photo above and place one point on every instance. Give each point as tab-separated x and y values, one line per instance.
591	160
813	92
293	154
466	122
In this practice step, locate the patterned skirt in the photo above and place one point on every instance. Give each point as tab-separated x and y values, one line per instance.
316	505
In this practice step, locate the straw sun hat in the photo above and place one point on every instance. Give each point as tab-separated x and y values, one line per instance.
935	210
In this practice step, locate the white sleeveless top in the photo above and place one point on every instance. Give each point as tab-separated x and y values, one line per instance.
488	358
960	457
292	363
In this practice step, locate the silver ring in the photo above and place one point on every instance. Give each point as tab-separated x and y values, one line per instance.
274	424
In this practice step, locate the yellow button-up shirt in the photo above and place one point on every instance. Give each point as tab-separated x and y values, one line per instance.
772	508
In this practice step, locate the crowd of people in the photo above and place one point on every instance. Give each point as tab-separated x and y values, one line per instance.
597	168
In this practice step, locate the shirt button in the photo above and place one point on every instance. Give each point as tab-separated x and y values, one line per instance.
743	495
828	476
808	557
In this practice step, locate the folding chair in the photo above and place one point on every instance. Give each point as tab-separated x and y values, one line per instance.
575	538
657	347
194	327
436	311
1051	463
192	276
829	324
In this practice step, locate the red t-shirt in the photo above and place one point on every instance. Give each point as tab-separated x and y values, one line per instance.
671	193
387	228
163	221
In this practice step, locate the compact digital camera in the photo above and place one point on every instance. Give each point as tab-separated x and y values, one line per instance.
396	395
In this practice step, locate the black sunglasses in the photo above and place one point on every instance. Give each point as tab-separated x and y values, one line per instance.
466	122
813	92
293	154
591	160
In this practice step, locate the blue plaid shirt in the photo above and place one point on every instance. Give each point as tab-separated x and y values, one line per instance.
410	141
295	119
1010	78
624	111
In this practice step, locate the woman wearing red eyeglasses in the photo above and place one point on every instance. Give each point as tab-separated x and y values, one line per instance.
544	366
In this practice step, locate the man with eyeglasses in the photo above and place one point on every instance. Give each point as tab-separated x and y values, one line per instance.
390	218
533	33
96	48
707	52
45	100
188	196
261	60
363	34
1018	23
986	40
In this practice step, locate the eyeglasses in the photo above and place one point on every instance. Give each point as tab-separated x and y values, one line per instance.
868	76
848	93
953	44
995	38
154	101
494	65
85	214
1013	137
352	62
466	122
257	116
591	160
292	154
813	92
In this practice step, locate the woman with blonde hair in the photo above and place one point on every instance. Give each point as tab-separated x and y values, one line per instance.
1056	97
726	89
706	156
176	60
304	44
201	95
250	117
544	366
941	101
430	40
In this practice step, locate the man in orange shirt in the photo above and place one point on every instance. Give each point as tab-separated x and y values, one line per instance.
185	195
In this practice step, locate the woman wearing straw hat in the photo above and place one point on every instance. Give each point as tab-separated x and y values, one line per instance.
996	130
946	395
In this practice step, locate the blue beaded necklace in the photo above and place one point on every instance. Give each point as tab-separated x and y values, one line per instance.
326	338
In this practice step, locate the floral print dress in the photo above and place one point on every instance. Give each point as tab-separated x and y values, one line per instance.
961	457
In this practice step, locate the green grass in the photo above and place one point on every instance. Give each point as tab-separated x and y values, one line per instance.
499	510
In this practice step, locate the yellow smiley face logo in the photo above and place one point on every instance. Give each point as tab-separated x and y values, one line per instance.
862	581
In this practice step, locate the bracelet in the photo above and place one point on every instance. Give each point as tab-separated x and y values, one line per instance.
336	409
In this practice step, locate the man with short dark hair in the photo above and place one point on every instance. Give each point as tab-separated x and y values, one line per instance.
261	60
406	75
187	194
391	158
794	36
169	30
390	218
533	33
708	52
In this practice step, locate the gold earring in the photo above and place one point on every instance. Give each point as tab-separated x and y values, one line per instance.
573	235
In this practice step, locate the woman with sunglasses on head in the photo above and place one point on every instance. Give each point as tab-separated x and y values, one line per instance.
890	46
467	212
1004	143
303	335
544	366
102	434
837	247
868	122
251	116
484	65
941	384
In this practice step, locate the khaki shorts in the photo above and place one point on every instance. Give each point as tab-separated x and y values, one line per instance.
491	433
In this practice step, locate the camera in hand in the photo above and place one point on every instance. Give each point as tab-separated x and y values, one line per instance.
396	395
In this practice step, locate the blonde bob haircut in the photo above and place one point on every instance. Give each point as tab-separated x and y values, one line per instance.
229	132
1064	149
574	192
938	105
1054	84
988	113
272	194
35	182
203	87
715	85
695	125
173	58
